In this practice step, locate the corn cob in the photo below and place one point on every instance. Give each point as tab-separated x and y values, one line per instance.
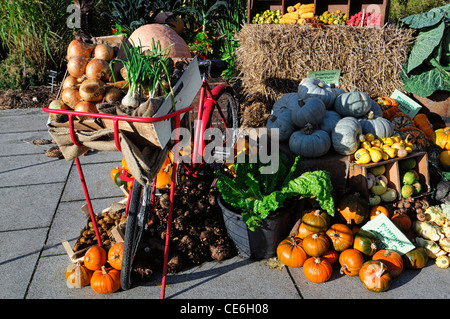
291	15
288	21
307	15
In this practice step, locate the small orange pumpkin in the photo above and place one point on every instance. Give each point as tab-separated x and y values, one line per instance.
164	177
353	209
388	106
77	275
375	276
444	160
303	231
377	210
423	124
341	236
351	261
316	220
105	280
442	138
402	221
391	259
316	244
331	255
115	254
317	269
95	258
291	253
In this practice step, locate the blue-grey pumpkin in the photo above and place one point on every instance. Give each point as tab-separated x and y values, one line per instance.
378	126
281	120
311	111
346	136
311	87
329	121
353	103
287	101
309	142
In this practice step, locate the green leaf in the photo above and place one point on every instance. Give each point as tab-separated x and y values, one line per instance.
424	81
427	40
427	19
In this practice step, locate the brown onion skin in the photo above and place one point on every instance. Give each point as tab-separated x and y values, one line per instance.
98	69
56	105
87	107
70	97
103	52
70	82
79	48
77	66
92	90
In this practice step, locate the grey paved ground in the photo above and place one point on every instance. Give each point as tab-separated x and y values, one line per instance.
41	201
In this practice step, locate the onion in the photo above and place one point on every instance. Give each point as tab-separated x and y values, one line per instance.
98	69
112	94
104	52
70	97
79	48
70	82
77	66
86	107
92	90
57	105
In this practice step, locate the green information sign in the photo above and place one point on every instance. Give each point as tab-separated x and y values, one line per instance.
388	235
406	104
327	76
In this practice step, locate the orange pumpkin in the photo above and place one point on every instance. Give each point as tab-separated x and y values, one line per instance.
375	276
353	209
331	255
77	275
388	106
303	231
291	253
341	236
402	221
351	261
391	259
115	254
316	220
444	160
317	269
421	122
442	138
377	210
316	244
95	258
164	177
114	172
105	280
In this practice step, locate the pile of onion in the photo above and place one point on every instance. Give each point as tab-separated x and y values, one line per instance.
88	70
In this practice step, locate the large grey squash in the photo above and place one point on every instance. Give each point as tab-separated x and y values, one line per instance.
353	103
281	120
311	111
329	121
346	136
309	142
314	88
378	126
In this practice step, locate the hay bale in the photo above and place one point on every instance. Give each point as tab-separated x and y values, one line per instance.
273	59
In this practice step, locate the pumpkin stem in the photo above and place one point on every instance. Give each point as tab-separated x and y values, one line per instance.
321	84
344	266
104	271
315	236
370	115
317	260
317	212
308	129
380	272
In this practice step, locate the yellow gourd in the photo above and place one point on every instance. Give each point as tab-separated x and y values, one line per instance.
375	154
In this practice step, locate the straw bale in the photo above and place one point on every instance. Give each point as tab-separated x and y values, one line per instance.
273	59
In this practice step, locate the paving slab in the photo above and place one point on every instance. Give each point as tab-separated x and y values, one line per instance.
20	143
23	120
411	284
32	169
20	251
35	212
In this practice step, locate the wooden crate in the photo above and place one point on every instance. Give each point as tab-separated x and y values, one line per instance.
357	177
346	6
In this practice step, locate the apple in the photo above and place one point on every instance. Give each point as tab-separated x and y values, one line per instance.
389	195
407	191
417	188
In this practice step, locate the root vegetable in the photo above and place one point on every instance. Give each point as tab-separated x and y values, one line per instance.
77	66
104	52
98	69
92	90
70	97
79	48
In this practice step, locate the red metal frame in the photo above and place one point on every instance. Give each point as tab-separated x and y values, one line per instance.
205	108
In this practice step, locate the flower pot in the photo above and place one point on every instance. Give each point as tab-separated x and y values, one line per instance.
261	243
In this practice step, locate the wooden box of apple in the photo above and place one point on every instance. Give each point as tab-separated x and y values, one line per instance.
391	180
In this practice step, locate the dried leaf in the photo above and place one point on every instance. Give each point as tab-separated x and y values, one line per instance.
273	263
